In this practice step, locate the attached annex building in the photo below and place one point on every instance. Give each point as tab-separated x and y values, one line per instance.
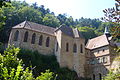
68	45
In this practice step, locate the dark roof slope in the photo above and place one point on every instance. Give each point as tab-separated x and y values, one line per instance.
70	31
49	30
36	27
97	42
66	30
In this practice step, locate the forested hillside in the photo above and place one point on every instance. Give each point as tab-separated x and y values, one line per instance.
20	11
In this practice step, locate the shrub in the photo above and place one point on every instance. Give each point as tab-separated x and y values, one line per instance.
11	67
43	62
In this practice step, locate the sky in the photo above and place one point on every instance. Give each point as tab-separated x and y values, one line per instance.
76	8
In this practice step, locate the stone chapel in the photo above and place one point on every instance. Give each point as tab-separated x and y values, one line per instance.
68	45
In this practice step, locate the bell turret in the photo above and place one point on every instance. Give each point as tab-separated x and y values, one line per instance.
106	32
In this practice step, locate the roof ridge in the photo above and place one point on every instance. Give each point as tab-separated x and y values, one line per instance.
97	42
97	37
41	24
36	27
27	22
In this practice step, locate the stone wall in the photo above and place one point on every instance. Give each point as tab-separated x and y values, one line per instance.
96	63
27	45
74	61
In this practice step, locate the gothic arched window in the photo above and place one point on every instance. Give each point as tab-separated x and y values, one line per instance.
47	42
74	48
67	47
16	35
33	38
40	40
26	36
81	48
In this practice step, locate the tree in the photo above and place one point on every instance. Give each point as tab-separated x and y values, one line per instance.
2	19
62	18
4	3
11	67
50	20
112	15
31	14
100	30
87	32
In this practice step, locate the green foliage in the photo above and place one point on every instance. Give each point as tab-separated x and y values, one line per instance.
101	28
50	20
4	3
46	76
19	10
2	19
113	75
11	67
31	14
87	32
112	16
43	62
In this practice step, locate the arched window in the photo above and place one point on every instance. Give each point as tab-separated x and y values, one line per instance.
81	48
47	42
40	40
93	76
100	76
26	36
67	47
74	48
16	35
57	47
33	38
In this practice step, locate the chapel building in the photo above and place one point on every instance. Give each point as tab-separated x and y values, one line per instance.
68	45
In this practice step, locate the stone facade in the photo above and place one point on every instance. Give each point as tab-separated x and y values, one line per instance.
99	56
65	43
72	60
68	45
27	45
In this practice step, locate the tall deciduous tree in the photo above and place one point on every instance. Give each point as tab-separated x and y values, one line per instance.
31	14
87	32
50	20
